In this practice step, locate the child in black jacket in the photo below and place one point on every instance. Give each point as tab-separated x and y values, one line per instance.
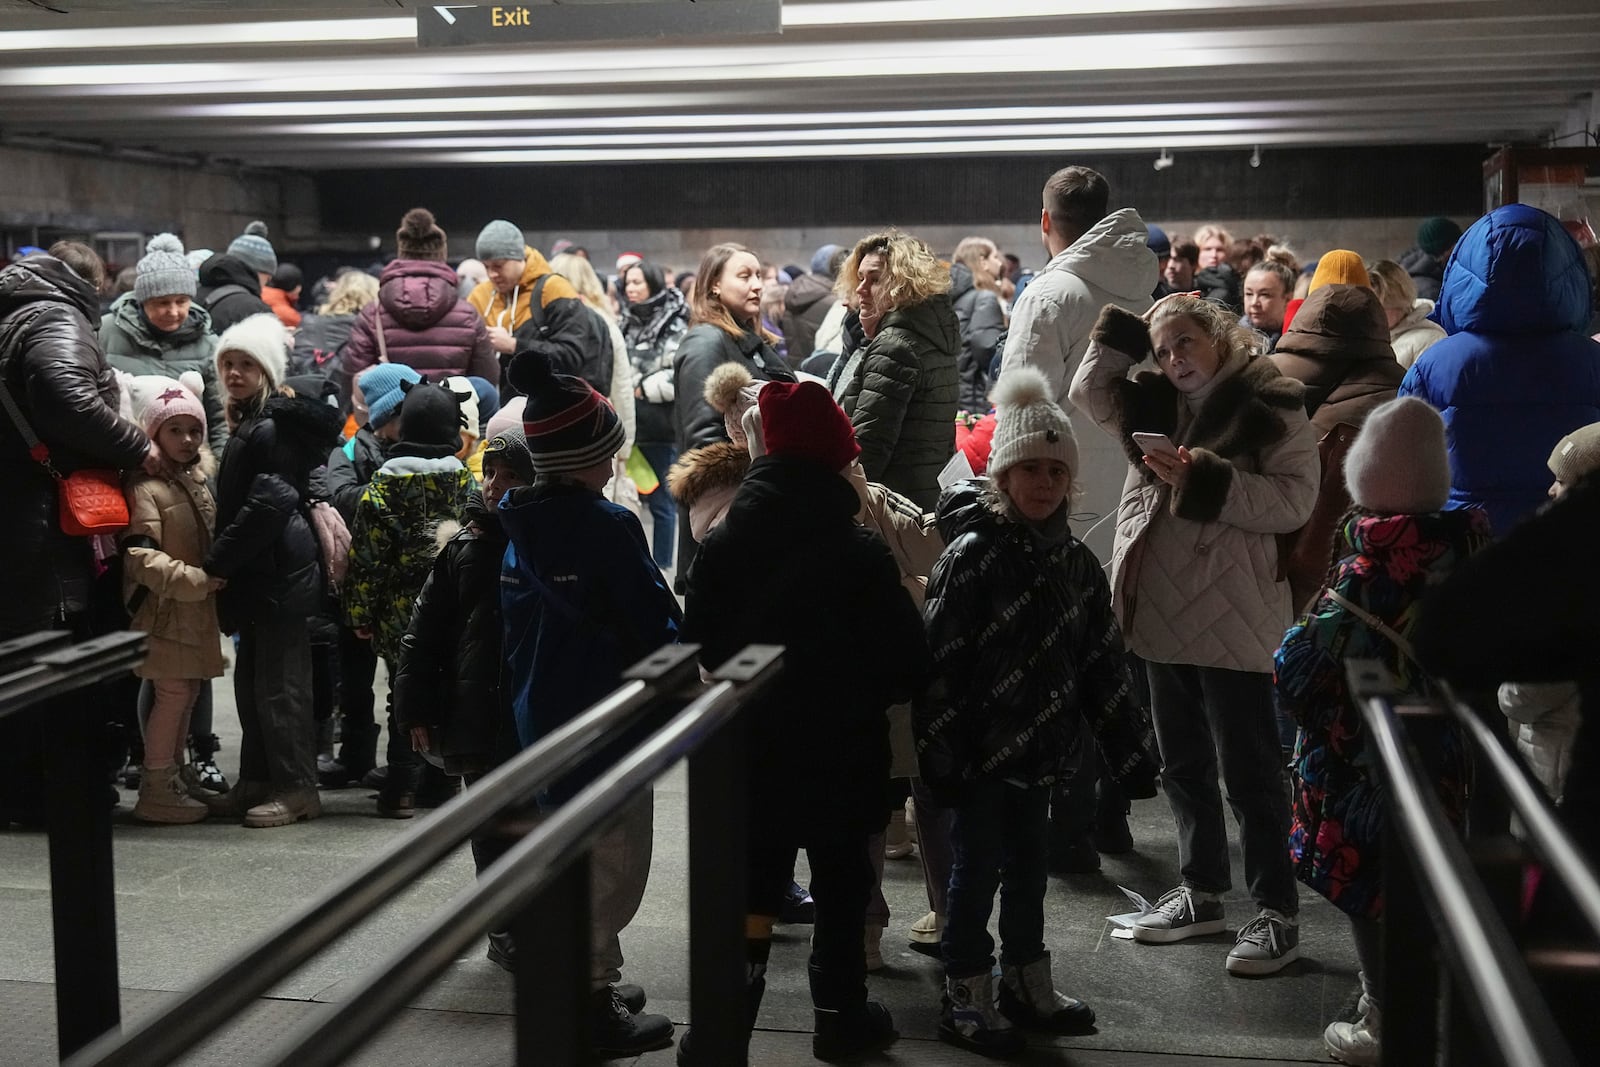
1025	649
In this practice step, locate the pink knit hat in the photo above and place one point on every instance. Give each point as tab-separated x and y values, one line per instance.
156	398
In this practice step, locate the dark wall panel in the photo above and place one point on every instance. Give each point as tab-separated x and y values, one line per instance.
1297	183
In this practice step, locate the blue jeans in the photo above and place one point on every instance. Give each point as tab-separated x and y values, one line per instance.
662	510
998	836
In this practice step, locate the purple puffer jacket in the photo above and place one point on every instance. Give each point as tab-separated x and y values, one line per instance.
426	326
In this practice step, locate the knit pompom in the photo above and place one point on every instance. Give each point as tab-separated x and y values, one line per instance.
1020	387
165	242
256	229
418	223
191	380
723	385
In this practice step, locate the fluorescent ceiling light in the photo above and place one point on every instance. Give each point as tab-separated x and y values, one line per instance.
180	35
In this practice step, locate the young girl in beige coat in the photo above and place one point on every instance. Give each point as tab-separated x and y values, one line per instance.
168	593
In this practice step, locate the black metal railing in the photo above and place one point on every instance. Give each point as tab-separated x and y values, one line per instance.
50	666
1458	986
540	887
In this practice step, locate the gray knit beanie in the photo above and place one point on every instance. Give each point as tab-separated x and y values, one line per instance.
501	240
254	250
164	270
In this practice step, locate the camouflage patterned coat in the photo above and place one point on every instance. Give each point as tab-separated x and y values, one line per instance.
411	507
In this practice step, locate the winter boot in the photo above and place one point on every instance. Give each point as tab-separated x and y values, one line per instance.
1028	997
846	1023
241	798
285	808
358	755
502	950
969	1020
163	798
926	934
615	1032
756	984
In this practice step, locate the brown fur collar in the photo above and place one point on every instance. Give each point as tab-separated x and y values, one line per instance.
705	470
1244	416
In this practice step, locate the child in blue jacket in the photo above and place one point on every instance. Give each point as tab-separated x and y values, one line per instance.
583	600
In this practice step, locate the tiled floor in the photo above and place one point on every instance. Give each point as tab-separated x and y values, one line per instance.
188	897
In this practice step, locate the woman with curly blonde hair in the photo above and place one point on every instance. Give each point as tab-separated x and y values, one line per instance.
897	379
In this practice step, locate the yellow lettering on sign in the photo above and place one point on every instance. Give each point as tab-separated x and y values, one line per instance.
509	16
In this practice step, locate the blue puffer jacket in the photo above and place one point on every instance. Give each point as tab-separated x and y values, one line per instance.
1516	373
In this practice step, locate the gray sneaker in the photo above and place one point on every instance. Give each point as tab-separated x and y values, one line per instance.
1178	915
1267	944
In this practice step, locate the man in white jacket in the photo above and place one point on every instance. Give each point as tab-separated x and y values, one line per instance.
1095	259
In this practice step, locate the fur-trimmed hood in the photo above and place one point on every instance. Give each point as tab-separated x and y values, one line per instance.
704	480
1244	415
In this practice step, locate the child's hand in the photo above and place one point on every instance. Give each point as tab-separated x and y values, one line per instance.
1175	472
420	741
153	462
214	583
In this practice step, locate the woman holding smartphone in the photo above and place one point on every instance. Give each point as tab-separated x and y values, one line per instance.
1195	587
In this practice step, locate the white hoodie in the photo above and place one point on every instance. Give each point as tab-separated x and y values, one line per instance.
1111	264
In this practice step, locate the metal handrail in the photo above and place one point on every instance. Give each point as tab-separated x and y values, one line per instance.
1552	843
54	666
1485	959
532	864
185	1022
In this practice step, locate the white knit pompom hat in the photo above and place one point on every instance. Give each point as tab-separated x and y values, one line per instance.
1029	424
1399	463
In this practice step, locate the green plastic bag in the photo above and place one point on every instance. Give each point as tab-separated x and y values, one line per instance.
643	475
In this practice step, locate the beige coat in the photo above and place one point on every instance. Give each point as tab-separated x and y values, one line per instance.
168	536
1194	572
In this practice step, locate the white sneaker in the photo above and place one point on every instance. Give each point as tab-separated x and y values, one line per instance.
1356	1043
1180	914
1267	944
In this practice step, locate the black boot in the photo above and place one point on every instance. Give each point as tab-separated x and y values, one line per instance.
502	950
615	1031
203	751
846	1023
358	755
756	985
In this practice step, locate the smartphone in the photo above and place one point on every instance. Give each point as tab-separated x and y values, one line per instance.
1156	444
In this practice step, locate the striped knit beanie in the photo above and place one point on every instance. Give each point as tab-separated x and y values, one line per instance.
569	426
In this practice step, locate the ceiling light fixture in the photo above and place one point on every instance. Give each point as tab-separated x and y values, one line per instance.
1255	156
1164	160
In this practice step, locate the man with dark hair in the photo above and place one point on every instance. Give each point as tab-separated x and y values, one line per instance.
1095	259
1183	260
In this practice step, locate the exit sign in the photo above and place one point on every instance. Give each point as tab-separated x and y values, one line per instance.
542	22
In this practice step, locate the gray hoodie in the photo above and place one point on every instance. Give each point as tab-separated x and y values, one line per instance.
1111	264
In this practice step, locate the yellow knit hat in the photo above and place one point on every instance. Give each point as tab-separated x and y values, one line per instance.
1340	267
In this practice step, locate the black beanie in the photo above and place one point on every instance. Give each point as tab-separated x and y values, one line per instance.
430	421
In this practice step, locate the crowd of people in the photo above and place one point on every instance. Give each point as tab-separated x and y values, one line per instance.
446	469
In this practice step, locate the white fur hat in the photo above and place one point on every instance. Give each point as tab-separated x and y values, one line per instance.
264	339
1029	424
1399	463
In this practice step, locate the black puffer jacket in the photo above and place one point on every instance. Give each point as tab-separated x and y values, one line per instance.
902	395
221	278
54	370
705	348
983	323
350	467
1221	285
265	546
1427	272
1025	648
451	665
819	737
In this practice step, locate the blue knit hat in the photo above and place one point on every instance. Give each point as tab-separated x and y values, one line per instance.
1157	241
254	250
384	388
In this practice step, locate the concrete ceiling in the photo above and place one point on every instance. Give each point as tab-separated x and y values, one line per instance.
340	83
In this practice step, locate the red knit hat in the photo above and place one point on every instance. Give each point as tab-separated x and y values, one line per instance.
803	421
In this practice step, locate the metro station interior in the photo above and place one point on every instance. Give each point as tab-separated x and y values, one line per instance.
657	129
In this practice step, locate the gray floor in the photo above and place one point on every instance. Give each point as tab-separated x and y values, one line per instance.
188	897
